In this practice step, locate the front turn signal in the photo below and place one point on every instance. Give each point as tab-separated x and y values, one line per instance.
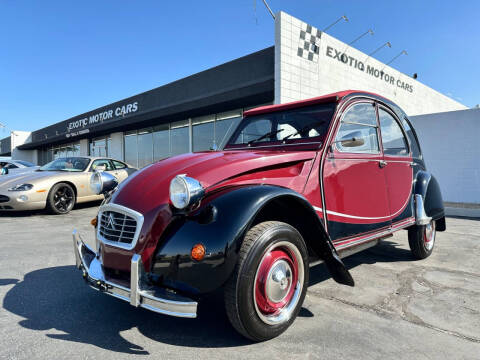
198	252
94	222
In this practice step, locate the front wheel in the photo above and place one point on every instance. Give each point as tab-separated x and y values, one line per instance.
267	288
61	199
422	239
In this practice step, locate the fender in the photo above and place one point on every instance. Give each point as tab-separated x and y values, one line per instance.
220	225
428	188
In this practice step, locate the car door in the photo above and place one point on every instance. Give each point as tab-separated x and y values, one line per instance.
397	165
354	185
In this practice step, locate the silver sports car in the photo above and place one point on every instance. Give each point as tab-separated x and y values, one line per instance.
58	185
15	167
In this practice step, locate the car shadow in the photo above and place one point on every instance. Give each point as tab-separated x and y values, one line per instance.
385	251
56	299
27	213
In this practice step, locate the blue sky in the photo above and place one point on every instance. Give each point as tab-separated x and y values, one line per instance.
59	59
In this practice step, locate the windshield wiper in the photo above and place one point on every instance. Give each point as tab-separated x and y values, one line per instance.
275	132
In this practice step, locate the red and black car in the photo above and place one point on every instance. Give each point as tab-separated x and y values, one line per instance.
297	183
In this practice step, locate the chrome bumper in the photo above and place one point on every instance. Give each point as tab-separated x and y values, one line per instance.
139	294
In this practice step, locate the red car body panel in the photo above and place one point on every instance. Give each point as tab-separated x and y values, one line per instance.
357	190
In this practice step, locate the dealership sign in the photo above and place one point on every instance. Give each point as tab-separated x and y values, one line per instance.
370	70
81	126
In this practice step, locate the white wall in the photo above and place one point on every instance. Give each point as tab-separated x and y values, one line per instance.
116	146
84	144
450	144
19	138
297	77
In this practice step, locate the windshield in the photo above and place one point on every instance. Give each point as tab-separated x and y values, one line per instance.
73	164
24	163
302	125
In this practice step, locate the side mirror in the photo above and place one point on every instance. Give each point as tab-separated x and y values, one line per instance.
353	139
102	182
100	168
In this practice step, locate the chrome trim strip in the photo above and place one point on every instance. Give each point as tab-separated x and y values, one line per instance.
389	231
362	240
125	211
168	304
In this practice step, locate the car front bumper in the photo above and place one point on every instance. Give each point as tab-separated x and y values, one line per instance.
139	294
11	201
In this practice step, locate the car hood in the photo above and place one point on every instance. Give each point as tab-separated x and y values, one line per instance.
149	187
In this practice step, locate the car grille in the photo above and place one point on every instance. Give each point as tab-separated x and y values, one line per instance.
117	227
4	199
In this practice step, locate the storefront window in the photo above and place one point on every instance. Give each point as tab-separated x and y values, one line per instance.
99	147
225	125
161	142
180	138
203	131
131	150
145	148
59	152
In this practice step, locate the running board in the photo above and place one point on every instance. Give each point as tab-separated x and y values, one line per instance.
353	249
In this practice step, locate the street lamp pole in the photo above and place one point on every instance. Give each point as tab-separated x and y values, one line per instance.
395	57
378	49
343	17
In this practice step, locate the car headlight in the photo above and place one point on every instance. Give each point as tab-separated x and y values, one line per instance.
185	191
21	187
102	182
96	183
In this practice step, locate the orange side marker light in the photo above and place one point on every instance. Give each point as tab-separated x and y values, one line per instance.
198	252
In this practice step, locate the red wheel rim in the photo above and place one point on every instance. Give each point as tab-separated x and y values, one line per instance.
276	280
429	235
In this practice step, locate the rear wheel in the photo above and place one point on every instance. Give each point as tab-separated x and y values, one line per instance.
61	199
421	239
268	286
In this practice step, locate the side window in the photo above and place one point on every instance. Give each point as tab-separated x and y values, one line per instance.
118	165
102	162
254	130
11	166
394	142
414	145
358	130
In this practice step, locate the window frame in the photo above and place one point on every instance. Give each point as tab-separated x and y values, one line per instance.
395	118
125	166
377	128
102	159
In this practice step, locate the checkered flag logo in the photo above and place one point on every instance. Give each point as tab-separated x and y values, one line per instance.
309	43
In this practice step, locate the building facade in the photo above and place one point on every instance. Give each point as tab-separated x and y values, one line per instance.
198	112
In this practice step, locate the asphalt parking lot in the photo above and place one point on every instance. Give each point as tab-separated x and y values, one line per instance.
399	308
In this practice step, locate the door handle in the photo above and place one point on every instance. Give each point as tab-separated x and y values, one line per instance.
382	163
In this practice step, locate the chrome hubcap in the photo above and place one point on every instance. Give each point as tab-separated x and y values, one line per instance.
429	235
278	283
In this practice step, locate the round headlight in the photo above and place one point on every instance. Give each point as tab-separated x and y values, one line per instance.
185	191
96	183
102	182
